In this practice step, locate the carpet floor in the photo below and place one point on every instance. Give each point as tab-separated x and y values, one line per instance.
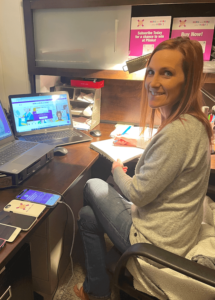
66	283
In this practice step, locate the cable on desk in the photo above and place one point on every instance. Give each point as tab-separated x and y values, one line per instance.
73	238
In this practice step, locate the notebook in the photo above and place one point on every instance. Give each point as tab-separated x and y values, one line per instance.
133	132
15	156
111	152
45	118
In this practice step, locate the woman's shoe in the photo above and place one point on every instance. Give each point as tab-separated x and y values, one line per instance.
79	291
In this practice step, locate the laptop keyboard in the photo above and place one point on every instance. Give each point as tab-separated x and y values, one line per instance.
51	135
13	150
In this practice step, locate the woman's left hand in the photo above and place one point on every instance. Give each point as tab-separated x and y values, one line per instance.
118	163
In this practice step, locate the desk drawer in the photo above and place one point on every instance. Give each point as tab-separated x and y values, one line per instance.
15	279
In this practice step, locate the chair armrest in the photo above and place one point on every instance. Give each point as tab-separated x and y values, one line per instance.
167	259
211	189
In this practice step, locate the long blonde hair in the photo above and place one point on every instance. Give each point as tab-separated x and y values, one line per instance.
192	100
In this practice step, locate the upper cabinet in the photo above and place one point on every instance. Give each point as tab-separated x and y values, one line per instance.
82	38
90	38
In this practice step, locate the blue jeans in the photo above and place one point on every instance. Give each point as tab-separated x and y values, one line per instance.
104	211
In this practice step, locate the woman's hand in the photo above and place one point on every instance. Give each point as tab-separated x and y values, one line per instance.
124	141
118	163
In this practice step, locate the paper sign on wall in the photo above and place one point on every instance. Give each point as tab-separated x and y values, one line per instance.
147	33
197	28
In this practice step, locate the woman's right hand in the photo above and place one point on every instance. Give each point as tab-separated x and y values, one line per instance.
124	141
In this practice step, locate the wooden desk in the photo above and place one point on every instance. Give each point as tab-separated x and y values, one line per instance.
59	174
65	175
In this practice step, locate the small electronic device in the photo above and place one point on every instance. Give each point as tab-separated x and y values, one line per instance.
24	208
95	133
49	122
9	233
2	243
59	151
17	156
22	221
39	197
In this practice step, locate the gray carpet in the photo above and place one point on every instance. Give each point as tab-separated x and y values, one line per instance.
66	284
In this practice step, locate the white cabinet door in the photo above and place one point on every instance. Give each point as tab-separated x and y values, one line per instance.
82	38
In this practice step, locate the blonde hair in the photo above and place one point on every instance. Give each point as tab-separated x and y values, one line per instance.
192	100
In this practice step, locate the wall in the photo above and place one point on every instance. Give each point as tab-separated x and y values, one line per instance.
13	59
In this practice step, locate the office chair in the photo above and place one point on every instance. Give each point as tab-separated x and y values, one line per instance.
123	280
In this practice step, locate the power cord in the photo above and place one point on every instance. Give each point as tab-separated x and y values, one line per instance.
73	238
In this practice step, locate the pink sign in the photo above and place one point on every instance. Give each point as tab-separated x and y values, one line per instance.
199	29
147	33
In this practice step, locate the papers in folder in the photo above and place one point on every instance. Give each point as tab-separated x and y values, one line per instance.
111	152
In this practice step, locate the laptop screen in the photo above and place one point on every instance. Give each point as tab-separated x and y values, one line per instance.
5	131
40	112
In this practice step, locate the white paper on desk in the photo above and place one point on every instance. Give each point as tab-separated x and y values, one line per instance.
133	132
81	126
112	152
119	129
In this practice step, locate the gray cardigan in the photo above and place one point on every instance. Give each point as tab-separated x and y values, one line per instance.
169	186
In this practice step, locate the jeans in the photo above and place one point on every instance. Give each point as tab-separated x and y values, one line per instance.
104	211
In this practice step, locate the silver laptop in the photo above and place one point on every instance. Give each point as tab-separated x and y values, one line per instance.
15	156
45	118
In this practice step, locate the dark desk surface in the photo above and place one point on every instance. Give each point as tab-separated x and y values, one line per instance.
59	174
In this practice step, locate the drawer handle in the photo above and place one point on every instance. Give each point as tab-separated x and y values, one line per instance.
7	294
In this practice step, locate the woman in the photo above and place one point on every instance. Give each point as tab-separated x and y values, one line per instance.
171	177
59	116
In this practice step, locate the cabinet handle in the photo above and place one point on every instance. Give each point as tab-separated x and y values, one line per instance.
116	33
7	294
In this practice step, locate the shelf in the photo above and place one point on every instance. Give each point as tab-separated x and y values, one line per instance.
47	4
31	5
107	74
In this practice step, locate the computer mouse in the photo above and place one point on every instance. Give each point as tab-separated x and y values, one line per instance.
60	151
95	132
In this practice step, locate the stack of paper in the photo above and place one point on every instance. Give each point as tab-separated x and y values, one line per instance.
85	97
81	126
112	152
209	67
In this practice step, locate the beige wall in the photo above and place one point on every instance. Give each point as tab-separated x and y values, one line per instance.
13	61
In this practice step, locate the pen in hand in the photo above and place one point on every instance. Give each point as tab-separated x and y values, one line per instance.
129	127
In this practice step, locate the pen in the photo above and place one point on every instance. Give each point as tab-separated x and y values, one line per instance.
129	127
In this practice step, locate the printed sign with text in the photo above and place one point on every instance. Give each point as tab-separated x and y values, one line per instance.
200	29
147	33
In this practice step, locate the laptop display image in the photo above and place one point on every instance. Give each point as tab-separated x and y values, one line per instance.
45	118
15	155
5	130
